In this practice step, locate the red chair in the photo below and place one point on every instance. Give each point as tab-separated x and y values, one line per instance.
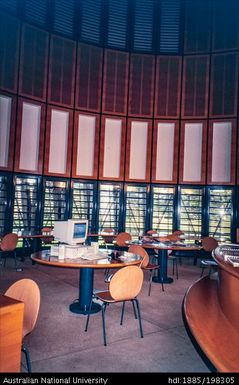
8	246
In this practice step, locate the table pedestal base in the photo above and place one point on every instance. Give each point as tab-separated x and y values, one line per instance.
76	308
165	280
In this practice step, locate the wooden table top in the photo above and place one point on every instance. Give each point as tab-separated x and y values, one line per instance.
44	258
210	327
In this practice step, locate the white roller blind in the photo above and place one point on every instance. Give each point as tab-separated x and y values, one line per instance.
30	134
85	145
192	157
221	151
165	151
138	150
58	141
112	148
5	125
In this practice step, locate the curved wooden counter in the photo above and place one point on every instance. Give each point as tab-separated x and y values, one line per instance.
211	309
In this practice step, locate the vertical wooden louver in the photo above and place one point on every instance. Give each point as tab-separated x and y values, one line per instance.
224	85
168	80
141	87
9	51
115	82
62	71
33	67
89	76
195	86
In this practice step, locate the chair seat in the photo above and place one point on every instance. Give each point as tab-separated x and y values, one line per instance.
105	296
151	267
208	262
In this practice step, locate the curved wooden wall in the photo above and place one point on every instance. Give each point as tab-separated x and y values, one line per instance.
71	109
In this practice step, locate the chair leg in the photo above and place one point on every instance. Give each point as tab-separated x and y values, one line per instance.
15	260
122	314
27	355
150	281
135	312
140	322
88	316
173	265
103	322
176	265
203	268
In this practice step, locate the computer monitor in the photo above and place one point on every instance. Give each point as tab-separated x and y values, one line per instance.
72	232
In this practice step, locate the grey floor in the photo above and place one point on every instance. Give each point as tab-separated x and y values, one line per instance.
60	344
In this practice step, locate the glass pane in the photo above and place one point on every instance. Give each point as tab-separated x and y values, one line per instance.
25	204
163	210
54	208
190	213
109	206
83	201
220	214
3	203
136	201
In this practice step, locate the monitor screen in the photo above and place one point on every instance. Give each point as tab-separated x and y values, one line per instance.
79	230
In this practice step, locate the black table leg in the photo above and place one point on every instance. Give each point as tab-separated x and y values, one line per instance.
81	306
162	272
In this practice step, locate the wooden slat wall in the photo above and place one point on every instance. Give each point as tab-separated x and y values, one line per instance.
168	83
224	85
141	88
89	77
195	86
7	130
34	59
58	141
28	147
62	71
116	67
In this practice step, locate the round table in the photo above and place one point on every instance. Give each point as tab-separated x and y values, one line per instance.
86	279
163	258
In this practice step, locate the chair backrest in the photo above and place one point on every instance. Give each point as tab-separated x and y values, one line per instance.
27	291
122	238
46	238
152	232
126	283
209	243
9	242
108	238
139	250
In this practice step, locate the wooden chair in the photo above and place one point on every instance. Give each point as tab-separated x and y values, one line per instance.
108	236
8	245
27	291
124	286
121	239
46	239
145	264
208	245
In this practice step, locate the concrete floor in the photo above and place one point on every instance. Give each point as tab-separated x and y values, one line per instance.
59	343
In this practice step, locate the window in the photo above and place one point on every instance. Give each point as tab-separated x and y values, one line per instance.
64	17
169	26
109	206
220	214
83	201
55	202
91	21
163	209
190	212
117	24
143	25
36	11
136	208
3	203
25	208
